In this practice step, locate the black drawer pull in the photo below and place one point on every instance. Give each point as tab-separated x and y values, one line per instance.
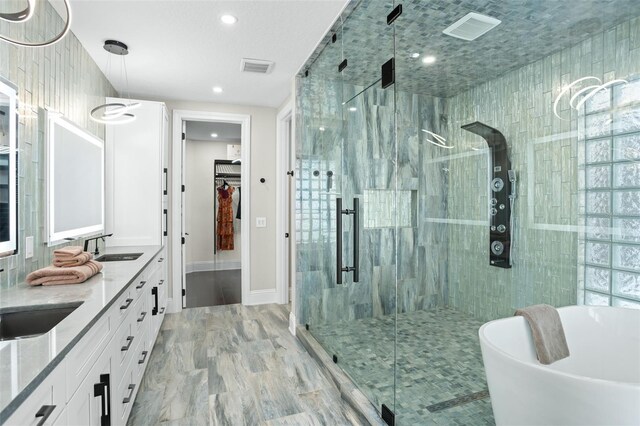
154	292
126	304
162	311
131	387
142	315
161	259
102	390
160	282
139	286
144	357
44	412
129	341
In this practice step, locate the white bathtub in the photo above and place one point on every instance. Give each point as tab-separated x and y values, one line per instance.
598	384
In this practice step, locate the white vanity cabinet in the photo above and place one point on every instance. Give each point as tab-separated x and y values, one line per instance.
137	181
97	381
45	404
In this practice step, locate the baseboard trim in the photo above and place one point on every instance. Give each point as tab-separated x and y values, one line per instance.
261	297
292	323
211	265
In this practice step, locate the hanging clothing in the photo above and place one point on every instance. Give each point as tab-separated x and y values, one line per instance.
239	201
224	237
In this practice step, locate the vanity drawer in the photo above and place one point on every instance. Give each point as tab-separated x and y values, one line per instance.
85	353
124	305
123	347
122	399
141	316
45	403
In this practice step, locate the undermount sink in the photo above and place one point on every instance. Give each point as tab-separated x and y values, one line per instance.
31	321
118	257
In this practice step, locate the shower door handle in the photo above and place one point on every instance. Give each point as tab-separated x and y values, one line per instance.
356	240
339	240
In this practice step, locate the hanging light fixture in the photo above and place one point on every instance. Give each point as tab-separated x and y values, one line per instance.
26	14
115	112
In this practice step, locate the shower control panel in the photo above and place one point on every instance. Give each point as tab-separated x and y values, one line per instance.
501	194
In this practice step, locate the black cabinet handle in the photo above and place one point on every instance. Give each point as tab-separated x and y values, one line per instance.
101	389
129	341
144	357
166	180
338	240
126	304
44	412
160	282
162	258
139	286
166	222
162	311
142	315
131	387
154	291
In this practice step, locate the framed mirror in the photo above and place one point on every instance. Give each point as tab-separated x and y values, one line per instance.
75	181
8	169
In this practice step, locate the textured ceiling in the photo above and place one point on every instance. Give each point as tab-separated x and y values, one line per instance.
179	49
530	30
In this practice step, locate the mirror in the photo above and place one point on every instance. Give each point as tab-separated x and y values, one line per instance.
8	168
75	181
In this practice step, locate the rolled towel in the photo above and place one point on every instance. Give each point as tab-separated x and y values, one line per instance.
548	333
53	275
69	251
65	262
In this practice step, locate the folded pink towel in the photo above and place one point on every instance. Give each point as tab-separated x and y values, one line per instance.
69	251
65	261
53	275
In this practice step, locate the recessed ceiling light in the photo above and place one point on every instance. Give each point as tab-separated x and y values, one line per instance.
217	89
214	135
428	60
321	129
353	109
228	19
415	55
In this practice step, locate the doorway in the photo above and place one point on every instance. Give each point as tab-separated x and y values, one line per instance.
211	153
213	213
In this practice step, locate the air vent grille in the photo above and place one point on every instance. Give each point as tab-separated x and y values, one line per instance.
471	26
256	65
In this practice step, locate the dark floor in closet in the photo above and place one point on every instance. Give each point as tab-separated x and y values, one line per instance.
212	288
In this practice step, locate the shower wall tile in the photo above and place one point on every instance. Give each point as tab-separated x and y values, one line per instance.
63	78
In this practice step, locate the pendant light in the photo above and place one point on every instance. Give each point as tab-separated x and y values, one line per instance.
26	14
115	112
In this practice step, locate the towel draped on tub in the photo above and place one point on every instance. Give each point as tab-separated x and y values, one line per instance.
54	275
547	331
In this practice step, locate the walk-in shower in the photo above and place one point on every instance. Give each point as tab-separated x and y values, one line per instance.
433	147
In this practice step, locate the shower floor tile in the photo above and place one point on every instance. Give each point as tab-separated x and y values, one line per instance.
438	360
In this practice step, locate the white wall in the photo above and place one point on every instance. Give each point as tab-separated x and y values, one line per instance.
263	195
200	194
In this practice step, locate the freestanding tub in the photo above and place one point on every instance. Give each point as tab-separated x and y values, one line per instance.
598	384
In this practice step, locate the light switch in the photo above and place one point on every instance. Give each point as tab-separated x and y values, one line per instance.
261	222
28	248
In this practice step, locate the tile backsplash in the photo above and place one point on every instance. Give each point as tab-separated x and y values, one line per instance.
63	78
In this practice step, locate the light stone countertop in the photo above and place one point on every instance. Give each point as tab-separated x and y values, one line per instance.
25	363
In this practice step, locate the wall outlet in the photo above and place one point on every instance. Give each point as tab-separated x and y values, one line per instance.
28	248
261	222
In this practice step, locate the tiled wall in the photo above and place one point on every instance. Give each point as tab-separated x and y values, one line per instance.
62	77
544	153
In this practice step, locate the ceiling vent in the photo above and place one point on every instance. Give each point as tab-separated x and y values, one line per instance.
256	65
471	26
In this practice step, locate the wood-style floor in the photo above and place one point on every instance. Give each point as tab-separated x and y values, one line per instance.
235	365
